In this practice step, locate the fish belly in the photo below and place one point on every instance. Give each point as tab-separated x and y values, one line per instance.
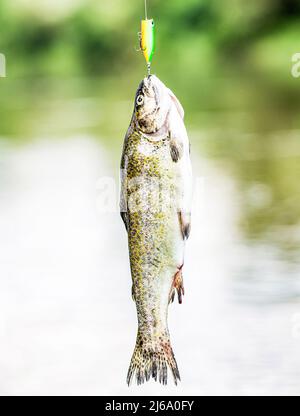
156	253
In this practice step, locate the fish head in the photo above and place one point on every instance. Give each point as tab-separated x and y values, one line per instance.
152	104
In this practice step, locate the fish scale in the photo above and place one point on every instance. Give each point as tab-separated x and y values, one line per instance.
152	190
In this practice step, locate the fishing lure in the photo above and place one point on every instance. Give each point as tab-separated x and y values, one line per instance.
147	41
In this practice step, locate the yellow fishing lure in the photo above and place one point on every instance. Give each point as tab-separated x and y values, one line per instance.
147	39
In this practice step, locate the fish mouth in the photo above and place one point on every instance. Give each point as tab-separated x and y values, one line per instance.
150	88
148	117
147	85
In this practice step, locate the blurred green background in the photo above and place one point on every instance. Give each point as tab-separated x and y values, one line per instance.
72	68
65	105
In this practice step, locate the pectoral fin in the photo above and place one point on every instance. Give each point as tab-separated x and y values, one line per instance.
177	285
176	150
185	224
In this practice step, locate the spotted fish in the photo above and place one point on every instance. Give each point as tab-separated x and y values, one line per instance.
155	205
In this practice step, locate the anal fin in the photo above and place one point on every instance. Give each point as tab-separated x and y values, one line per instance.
177	285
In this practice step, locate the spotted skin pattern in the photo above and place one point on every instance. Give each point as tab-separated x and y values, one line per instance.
151	187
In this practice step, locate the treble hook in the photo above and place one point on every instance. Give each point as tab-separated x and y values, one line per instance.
140	39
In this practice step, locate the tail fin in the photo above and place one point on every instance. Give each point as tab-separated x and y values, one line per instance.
152	359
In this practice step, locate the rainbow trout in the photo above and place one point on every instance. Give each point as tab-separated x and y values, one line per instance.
155	205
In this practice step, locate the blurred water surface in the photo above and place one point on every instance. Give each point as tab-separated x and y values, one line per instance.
67	321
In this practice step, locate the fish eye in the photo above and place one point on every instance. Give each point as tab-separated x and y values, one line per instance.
140	99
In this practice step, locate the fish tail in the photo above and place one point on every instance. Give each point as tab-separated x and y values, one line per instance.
152	358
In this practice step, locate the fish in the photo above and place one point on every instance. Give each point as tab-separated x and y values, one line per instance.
155	205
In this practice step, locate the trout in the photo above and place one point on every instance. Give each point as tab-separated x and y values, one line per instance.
155	205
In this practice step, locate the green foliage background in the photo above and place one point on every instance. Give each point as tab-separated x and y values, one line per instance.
93	37
72	67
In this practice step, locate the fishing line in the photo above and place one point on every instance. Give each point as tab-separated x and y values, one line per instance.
147	38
